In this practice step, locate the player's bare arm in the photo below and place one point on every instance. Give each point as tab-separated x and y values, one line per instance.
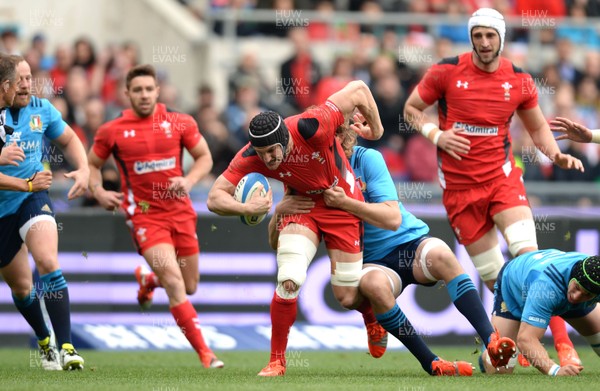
203	163
289	205
11	155
571	130
539	130
449	140
109	200
70	144
528	341
39	181
385	215
221	201
356	95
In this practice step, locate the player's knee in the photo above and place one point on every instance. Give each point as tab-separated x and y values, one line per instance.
594	341
293	257
287	290
21	288
171	280
46	263
191	287
489	263
347	297
375	286
436	259
521	236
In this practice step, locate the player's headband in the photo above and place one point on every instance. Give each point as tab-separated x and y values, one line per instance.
488	17
587	274
268	128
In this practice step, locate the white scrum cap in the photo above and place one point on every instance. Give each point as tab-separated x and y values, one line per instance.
488	17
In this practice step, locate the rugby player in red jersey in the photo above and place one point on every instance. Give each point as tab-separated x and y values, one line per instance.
146	142
477	93
302	152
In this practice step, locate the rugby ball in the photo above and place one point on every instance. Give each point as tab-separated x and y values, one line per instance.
244	191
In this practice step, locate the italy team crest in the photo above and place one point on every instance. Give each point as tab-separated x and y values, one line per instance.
35	123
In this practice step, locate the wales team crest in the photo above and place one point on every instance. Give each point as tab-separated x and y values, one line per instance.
36	123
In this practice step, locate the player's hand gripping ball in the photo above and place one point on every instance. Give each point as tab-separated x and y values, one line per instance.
244	191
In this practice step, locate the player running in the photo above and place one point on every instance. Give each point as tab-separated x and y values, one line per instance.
147	142
301	151
27	220
477	93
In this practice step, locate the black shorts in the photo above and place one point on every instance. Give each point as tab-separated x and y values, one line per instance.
401	261
38	204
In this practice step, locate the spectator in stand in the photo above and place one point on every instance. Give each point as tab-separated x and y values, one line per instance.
38	43
62	66
10	41
84	56
239	112
566	68
341	74
300	73
77	92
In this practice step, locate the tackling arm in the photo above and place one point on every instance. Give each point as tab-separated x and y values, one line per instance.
384	215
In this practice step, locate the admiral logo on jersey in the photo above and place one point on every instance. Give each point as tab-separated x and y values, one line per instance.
154	165
475	130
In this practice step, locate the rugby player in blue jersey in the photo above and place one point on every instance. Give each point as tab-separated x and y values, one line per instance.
537	285
27	221
395	258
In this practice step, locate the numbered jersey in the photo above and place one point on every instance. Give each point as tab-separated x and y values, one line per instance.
316	161
534	285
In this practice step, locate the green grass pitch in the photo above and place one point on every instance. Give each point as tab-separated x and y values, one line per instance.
177	371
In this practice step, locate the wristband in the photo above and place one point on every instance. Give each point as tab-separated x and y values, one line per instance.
30	185
427	128
436	138
553	370
596	136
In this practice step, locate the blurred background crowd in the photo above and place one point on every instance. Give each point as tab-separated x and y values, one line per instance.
86	82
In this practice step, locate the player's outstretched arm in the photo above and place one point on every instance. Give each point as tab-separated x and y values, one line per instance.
539	130
109	200
203	163
528	341
221	201
70	144
573	131
357	95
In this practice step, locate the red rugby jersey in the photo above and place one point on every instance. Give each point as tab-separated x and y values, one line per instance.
315	163
148	152
483	103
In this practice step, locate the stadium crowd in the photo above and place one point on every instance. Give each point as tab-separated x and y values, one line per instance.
86	82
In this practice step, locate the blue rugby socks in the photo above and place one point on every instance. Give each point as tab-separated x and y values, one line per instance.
56	299
466	299
396	323
30	308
